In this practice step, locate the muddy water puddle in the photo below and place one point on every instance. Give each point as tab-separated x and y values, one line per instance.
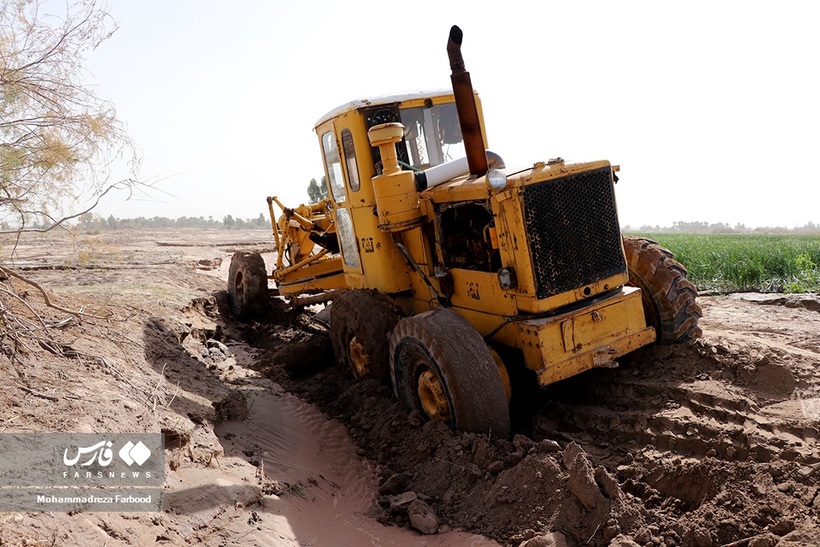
324	490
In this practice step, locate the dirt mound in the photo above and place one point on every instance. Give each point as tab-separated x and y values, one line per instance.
703	444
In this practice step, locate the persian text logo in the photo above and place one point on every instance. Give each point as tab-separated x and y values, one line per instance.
101	452
810	402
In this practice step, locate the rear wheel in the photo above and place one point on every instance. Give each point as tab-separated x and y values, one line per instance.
361	322
668	297
441	367
247	285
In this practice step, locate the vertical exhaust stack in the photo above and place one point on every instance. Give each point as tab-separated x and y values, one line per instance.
466	107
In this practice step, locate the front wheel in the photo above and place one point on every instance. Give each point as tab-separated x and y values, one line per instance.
361	321
247	285
441	367
668	297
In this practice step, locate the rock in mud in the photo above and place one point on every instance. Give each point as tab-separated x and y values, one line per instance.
473	472
422	517
217	350
764	540
402	502
570	452
395	484
524	444
548	446
582	482
514	458
607	482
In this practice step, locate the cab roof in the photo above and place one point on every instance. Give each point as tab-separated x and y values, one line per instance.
380	100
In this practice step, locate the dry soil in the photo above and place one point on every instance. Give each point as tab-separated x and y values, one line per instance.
713	443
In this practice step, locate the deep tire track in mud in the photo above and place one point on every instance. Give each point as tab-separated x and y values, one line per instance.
701	444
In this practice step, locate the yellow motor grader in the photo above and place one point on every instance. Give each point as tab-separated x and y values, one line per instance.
438	259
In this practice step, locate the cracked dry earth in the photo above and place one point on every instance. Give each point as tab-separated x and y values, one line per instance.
268	442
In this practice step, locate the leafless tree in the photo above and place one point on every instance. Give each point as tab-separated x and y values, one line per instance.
58	141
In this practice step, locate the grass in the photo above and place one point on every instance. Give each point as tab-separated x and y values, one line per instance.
747	262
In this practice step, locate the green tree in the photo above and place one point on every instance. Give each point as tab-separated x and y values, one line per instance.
57	137
261	222
317	191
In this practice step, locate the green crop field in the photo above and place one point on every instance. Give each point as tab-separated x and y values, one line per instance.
747	262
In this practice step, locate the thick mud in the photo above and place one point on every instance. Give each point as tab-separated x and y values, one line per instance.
710	443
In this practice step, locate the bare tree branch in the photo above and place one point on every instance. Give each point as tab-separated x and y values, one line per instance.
57	137
59	222
46	299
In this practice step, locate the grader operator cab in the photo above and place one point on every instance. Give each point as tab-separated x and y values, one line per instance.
438	259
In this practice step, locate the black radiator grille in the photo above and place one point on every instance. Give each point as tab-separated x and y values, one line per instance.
572	226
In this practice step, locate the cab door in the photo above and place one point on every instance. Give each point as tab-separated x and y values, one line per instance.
339	189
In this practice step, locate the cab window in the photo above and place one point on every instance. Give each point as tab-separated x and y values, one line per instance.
432	135
350	159
333	164
347	237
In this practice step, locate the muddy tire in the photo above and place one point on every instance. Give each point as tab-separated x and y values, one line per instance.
361	322
668	297
441	368
248	295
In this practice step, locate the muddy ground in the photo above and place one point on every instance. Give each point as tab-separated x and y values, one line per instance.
713	443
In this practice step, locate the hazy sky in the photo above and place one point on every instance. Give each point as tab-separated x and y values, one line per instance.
710	108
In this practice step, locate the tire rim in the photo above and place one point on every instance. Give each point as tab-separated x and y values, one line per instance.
432	396
359	361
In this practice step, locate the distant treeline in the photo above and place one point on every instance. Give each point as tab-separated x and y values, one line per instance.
721	228
228	222
94	221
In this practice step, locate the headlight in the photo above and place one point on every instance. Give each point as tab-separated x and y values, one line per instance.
496	179
507	279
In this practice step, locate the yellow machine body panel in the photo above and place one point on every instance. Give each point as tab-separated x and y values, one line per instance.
449	244
382	266
301	286
509	209
564	345
320	275
480	291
